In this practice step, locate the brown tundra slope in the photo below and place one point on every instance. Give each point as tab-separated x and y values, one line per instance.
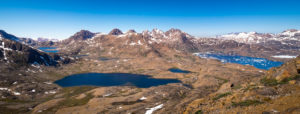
276	92
211	87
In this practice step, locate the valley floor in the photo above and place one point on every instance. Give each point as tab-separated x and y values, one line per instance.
211	87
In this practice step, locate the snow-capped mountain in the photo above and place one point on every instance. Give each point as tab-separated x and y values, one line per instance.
247	37
290	33
254	37
47	40
130	42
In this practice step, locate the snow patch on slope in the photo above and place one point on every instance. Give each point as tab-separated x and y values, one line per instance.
151	110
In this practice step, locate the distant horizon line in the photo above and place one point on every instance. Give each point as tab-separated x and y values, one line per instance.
196	36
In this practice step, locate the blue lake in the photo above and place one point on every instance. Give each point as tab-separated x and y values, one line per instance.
260	63
113	79
176	70
49	49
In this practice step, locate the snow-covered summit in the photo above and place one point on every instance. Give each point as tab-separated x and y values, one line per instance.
291	33
254	37
247	37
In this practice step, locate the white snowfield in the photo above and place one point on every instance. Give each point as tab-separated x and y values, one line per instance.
16	93
151	110
4	89
284	56
254	37
143	98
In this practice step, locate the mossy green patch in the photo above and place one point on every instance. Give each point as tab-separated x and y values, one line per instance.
273	82
221	95
72	91
70	99
199	112
246	103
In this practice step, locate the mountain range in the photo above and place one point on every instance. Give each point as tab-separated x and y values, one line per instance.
28	73
246	44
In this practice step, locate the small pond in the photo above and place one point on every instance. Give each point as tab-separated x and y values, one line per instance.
177	70
260	63
49	49
113	79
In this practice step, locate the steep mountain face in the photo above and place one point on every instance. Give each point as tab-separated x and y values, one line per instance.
14	52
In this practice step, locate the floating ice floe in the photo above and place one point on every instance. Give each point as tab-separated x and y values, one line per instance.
284	56
260	63
151	110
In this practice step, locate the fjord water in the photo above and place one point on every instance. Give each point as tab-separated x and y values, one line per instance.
112	79
49	49
260	63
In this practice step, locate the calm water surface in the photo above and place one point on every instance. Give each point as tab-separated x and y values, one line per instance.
49	49
113	79
260	63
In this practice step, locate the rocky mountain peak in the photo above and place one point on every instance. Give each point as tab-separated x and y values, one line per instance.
156	33
174	32
115	32
131	31
291	30
82	35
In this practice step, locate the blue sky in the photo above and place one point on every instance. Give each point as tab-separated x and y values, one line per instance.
62	18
